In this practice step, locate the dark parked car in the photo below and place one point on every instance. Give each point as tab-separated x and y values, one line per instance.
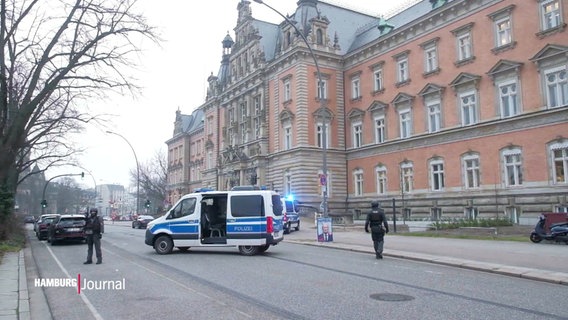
41	226
29	219
67	227
142	222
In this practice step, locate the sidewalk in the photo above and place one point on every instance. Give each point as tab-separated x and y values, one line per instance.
14	299
541	262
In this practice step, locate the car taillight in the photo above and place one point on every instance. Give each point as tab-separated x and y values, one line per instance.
269	225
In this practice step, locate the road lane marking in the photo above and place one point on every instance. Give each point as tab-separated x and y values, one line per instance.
182	285
92	308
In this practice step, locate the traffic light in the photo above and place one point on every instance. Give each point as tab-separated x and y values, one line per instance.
44	203
147	204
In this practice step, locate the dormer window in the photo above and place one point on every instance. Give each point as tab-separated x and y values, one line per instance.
319	36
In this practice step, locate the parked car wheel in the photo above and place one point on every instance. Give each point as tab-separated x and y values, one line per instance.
163	245
287	228
297	226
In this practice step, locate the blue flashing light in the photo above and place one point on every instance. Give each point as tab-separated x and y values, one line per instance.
290	197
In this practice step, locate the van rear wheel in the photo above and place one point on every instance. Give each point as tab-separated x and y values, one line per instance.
249	250
163	245
263	248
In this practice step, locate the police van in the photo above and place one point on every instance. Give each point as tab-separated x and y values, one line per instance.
250	220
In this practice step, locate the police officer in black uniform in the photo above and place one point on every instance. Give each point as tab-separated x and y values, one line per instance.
93	232
376	219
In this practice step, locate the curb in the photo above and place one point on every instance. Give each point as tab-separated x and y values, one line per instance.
519	272
23	294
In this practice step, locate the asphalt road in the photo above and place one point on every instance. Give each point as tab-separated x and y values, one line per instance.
290	281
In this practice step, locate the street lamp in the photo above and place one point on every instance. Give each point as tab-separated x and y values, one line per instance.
321	99
137	171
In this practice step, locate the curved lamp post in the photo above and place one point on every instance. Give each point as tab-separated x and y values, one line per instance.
322	105
43	200
137	171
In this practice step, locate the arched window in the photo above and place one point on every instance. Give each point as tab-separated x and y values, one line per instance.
319	36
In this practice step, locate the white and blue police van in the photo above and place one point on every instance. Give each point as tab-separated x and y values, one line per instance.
250	220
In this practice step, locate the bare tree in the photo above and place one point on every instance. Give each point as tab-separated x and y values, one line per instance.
153	175
56	57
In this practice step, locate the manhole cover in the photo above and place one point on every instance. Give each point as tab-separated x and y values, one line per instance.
391	297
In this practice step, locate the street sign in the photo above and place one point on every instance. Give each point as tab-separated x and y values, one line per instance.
323	179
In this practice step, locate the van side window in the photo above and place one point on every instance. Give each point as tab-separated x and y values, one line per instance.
184	208
276	205
247	206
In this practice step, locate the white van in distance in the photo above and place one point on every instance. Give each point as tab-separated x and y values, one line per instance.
250	220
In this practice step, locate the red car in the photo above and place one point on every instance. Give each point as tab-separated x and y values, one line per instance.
67	227
42	225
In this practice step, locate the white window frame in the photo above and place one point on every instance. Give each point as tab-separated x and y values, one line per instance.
355	88
357	130
321	90
550	19
468	111
559	161
430	59
434	110
402	69
243	131
244	111
503	36
380	129
210	125
257	126
358	183
287	90
319	135
210	159
288	137
381	178
464	45
472	174
257	105
512	167
407	177
437	175
378	79
561	87
509	104
287	182
405	122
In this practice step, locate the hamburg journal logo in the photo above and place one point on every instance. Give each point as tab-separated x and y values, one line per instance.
81	284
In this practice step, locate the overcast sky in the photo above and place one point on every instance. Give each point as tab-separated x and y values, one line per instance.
175	77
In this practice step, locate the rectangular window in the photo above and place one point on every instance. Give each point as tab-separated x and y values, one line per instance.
556	87
380	130
287	182
402	66
560	160
257	106
322	89
244	111
471	168
407	178
508	99
434	117
210	160
378	79
256	128
513	173
431	59
320	135
287	138
381	181
247	206
231	116
243	133
355	88
210	125
550	14
405	124
357	135
503	35
358	183
437	170
465	51
287	90
471	213
468	106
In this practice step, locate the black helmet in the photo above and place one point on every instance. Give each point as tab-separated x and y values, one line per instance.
93	211
375	204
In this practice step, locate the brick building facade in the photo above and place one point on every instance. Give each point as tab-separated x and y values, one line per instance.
451	108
